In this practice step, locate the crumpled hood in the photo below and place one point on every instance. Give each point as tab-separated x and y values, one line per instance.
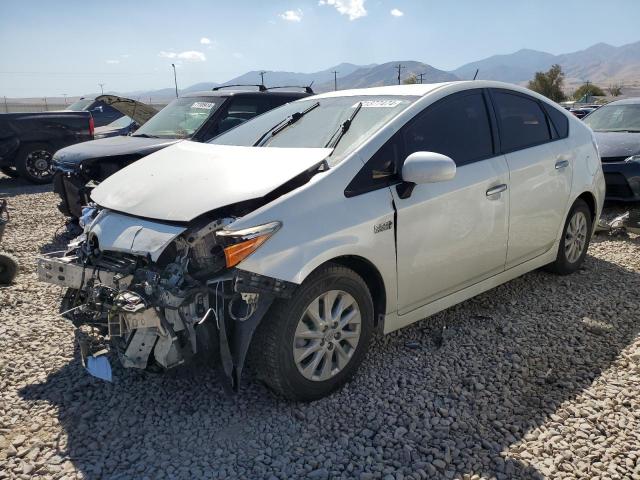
110	147
618	144
189	179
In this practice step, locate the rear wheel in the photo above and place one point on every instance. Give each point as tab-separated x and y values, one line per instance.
312	344
33	163
8	268
10	171
575	240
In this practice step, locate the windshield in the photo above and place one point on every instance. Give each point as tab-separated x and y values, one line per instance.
316	128
80	105
615	118
181	118
122	122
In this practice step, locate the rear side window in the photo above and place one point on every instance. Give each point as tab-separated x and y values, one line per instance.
457	126
522	122
559	120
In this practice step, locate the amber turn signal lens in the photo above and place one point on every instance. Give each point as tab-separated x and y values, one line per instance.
234	254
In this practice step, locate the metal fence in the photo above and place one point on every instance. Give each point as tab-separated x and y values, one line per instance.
10	106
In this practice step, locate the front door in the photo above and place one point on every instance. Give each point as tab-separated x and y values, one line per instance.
452	234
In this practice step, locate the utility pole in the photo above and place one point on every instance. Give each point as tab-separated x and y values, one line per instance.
65	97
261	73
399	67
476	75
175	78
6	107
335	79
421	75
46	105
101	88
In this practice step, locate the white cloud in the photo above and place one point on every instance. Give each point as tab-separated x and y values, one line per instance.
238	55
205	41
189	56
113	62
397	13
353	8
292	15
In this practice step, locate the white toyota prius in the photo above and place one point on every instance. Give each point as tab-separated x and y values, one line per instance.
292	238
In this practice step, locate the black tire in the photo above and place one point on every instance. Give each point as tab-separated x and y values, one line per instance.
563	265
8	268
33	163
11	172
272	347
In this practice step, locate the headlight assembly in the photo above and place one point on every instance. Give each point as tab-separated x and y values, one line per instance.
239	244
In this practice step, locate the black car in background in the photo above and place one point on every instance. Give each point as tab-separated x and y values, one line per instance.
196	116
125	125
29	140
102	113
617	131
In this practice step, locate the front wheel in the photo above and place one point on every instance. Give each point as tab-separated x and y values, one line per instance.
311	344
575	240
33	163
8	268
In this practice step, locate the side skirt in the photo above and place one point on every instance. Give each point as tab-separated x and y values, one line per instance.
394	321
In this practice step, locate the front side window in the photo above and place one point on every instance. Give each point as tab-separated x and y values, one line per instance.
522	122
320	125
615	118
457	126
181	118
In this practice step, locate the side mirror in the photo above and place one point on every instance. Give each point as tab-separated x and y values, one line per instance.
425	167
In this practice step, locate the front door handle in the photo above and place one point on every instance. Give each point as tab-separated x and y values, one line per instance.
496	190
560	164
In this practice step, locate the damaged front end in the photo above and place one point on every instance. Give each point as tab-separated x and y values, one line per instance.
160	294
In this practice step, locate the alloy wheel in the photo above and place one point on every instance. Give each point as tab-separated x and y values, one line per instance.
575	237
327	335
38	164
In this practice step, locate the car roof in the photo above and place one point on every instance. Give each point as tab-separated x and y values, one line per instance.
421	90
626	101
242	93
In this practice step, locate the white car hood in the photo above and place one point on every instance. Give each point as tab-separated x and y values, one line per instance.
189	179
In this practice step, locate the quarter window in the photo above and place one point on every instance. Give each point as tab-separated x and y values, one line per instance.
522	122
457	127
559	120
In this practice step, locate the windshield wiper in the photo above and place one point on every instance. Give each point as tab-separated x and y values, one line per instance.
144	135
342	129
287	122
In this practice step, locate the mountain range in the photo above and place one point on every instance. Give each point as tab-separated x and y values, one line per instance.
602	64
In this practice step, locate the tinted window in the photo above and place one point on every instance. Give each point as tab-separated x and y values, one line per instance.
559	120
457	126
522	121
380	171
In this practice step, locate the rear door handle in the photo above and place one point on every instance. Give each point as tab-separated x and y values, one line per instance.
560	164
497	189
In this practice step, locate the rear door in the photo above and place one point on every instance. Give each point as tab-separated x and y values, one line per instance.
540	166
452	234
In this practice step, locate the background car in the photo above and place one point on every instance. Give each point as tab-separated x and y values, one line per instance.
617	132
125	125
102	113
196	116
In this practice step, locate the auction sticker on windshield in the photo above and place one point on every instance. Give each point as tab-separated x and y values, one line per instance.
381	103
203	105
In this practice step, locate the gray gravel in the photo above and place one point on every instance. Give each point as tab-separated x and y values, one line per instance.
539	378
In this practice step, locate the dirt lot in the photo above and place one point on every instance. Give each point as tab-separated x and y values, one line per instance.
539	378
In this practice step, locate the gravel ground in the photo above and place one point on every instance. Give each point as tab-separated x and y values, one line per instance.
539	378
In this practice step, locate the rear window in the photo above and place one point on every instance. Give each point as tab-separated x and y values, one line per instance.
558	119
523	124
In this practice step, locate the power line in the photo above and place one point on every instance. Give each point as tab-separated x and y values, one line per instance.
421	75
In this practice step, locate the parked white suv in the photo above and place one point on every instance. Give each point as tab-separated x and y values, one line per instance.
323	220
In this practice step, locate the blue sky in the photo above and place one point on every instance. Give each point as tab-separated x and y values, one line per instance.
54	47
